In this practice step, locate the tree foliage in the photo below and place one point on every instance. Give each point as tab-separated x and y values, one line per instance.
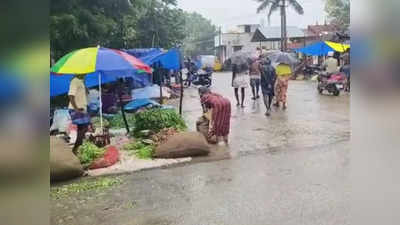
338	12
200	35
273	5
120	24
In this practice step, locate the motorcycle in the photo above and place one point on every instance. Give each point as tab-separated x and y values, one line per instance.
311	70
202	77
333	83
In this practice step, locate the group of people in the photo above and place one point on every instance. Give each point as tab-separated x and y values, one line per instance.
262	74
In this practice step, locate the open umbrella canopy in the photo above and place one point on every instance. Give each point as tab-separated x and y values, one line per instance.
282	57
241	57
105	60
108	64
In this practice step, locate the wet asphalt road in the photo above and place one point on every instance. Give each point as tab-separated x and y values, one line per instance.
290	168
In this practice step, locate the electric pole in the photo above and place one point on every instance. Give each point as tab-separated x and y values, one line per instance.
220	44
283	26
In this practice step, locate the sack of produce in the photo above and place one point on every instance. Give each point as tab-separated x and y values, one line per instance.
185	144
203	126
64	164
111	156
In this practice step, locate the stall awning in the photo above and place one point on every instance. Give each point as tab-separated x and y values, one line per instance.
322	48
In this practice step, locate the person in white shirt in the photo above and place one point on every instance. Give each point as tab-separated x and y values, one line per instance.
330	64
78	102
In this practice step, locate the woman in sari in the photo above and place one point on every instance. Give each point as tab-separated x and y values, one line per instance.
283	72
220	113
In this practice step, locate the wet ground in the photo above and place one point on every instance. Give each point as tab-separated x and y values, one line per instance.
290	168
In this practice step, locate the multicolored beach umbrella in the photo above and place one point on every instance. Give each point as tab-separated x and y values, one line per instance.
98	59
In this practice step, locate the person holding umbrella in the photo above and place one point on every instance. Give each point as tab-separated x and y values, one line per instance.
268	78
283	72
239	81
255	74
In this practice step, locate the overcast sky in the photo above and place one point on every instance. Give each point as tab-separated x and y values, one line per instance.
228	13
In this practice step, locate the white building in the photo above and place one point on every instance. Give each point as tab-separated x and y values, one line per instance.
250	36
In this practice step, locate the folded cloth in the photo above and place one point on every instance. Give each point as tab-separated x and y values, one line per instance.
79	118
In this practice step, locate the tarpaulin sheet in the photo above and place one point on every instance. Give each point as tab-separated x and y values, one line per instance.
59	84
316	49
322	48
169	60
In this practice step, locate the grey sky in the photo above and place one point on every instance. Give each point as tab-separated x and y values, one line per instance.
228	13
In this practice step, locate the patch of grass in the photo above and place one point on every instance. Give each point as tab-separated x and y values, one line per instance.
97	184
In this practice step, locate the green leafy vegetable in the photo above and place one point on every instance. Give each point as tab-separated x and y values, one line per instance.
88	152
158	119
141	149
118	122
96	122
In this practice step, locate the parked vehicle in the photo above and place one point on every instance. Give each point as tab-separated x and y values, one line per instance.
200	77
333	83
311	70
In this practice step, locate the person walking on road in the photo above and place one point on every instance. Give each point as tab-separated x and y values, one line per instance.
78	109
268	79
239	81
255	76
220	107
283	72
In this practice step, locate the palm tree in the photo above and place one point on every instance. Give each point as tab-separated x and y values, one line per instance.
274	5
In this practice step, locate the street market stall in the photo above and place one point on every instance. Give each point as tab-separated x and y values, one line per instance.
322	48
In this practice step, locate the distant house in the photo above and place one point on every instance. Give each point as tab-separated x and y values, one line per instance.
270	37
239	39
250	36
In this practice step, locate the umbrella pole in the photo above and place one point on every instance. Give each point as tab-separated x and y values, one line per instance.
122	109
101	104
123	115
181	95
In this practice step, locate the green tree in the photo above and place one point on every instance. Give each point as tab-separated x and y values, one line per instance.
162	25
338	13
78	24
200	33
273	5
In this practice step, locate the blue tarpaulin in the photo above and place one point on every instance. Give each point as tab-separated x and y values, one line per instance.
59	84
316	49
169	60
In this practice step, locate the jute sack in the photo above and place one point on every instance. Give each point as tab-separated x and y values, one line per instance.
185	144
203	126
64	164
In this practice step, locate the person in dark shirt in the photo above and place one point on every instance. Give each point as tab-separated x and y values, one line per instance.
268	79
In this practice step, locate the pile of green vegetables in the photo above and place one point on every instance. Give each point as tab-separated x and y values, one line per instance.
118	122
88	152
141	148
158	119
97	123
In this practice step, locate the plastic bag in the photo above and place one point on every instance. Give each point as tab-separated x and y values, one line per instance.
61	120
